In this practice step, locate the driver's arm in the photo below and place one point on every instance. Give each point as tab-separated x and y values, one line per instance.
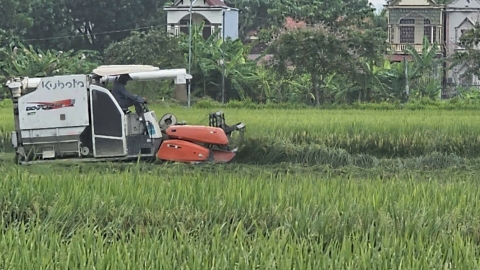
129	95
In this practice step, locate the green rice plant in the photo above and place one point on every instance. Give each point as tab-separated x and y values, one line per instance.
377	133
180	216
5	140
380	134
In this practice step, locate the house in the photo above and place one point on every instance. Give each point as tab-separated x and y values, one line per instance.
409	21
460	15
214	13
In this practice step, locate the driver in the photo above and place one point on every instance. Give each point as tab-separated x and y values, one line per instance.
126	99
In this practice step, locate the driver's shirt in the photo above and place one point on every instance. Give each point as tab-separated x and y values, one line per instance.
123	97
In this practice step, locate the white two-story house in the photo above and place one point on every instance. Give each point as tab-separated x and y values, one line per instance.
214	13
409	22
460	15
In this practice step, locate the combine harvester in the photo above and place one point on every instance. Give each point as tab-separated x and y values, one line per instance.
75	117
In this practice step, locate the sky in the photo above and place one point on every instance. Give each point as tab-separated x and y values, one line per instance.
378	3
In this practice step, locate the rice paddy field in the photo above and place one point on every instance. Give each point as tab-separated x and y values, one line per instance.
310	189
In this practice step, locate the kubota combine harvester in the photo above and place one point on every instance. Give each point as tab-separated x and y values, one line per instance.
77	117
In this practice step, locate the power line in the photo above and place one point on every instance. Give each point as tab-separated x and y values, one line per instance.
96	34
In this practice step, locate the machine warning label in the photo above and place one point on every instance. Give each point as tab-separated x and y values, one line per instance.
50	105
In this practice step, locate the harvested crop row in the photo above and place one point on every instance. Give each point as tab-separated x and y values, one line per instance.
257	151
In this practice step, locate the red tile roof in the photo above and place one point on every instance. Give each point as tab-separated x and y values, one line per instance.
216	3
290	23
209	2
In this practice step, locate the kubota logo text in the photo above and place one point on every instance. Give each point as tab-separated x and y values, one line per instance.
50	105
50	85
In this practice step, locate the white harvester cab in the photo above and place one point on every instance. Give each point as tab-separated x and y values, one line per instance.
75	116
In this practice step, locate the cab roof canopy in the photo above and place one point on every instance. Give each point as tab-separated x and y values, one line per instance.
112	70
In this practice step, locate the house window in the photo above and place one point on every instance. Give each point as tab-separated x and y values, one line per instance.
207	28
462	32
429	31
407	21
184	26
207	31
407	33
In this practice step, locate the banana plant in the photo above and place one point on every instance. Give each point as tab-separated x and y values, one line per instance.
376	75
425	70
396	79
370	83
213	58
266	88
205	55
240	72
28	61
297	89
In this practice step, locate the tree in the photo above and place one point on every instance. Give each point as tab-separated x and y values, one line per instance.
52	26
153	47
16	19
253	14
100	23
318	51
339	36
321	50
72	24
332	13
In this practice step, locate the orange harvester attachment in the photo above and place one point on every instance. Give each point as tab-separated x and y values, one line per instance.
199	134
197	144
182	151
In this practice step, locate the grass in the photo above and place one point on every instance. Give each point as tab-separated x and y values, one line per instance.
311	190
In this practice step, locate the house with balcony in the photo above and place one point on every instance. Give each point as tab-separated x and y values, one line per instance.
460	16
409	21
214	13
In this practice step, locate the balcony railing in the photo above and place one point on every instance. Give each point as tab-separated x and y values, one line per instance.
400	48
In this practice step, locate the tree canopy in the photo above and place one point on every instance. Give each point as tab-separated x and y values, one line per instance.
317	51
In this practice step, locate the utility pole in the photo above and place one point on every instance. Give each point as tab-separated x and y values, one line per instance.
190	50
407	87
223	58
223	54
